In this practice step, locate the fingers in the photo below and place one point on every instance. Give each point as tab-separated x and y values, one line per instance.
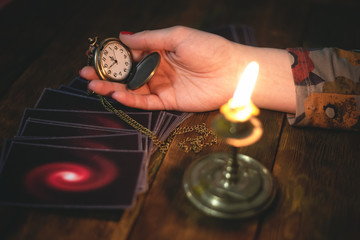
138	55
105	88
134	100
88	73
140	98
164	39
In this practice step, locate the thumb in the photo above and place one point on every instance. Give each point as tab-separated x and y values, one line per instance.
163	39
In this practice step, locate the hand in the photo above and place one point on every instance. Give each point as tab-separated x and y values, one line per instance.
198	71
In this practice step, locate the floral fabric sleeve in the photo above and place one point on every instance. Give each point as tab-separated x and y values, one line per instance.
327	83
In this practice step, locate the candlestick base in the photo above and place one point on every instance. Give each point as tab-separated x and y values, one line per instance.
248	193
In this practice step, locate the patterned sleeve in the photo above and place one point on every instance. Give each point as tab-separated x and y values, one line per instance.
327	83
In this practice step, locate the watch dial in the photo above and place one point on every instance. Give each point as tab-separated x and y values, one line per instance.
116	61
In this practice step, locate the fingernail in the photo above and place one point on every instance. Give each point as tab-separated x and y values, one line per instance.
126	33
91	86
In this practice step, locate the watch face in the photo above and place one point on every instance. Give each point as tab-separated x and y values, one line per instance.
113	61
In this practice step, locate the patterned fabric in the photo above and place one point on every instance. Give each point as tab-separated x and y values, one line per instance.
327	83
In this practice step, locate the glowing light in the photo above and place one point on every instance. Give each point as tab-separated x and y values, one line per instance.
70	176
245	87
240	108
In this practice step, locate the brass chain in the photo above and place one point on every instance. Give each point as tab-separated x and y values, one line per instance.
133	123
195	144
198	143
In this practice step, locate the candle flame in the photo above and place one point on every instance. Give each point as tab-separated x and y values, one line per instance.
240	108
245	87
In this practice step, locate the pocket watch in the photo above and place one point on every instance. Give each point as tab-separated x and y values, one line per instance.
113	61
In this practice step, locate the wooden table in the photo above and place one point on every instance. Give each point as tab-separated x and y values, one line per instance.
316	170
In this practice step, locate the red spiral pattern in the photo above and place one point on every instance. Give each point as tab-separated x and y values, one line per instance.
70	177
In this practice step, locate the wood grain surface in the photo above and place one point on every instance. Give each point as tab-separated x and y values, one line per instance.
316	170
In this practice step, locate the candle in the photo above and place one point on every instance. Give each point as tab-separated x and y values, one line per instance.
240	107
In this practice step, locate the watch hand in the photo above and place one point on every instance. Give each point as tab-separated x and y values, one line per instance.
114	54
113	64
113	59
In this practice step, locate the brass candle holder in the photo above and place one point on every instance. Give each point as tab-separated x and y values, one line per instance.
229	184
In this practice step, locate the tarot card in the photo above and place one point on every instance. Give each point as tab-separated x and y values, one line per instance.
41	128
61	100
79	83
165	126
5	148
73	90
53	176
57	99
174	121
90	118
121	141
36	128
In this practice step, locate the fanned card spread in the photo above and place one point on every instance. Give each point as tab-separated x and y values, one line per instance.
70	152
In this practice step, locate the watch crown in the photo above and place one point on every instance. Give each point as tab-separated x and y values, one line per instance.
93	40
92	46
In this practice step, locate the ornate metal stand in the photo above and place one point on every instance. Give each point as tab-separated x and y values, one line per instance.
229	184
